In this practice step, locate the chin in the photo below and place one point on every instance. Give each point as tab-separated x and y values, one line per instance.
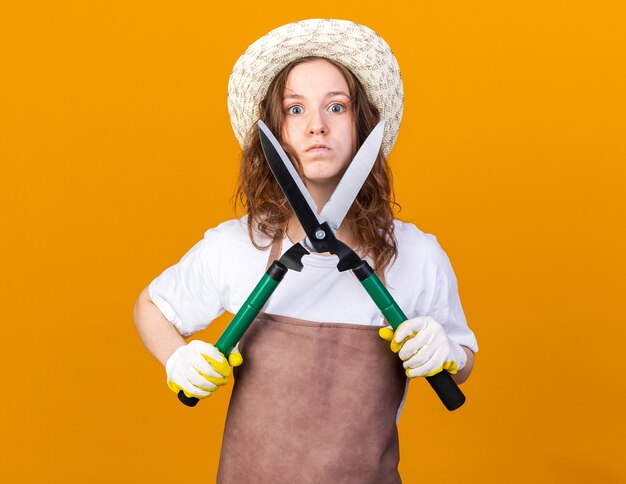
321	178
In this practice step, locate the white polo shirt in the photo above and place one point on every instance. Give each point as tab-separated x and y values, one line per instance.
221	270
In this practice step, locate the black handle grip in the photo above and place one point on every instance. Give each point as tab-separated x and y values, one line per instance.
189	401
447	390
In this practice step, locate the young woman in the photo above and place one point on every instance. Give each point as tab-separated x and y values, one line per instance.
319	394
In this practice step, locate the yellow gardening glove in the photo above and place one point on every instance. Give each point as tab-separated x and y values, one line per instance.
199	369
424	347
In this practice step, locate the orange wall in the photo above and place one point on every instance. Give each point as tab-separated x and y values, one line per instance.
117	154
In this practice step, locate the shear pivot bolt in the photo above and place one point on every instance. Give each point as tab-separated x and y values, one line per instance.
320	234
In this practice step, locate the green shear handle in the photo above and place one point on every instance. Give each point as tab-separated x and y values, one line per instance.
245	316
443	384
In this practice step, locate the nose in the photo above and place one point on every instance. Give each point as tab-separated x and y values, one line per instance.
317	124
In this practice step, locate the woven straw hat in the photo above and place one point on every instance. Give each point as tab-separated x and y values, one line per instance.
357	47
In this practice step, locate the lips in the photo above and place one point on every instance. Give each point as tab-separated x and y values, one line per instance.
318	147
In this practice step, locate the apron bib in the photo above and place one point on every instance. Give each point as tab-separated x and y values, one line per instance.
313	402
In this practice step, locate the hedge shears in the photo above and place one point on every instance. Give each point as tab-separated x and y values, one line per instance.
320	237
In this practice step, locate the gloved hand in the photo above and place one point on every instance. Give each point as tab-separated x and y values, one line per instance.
424	347
199	368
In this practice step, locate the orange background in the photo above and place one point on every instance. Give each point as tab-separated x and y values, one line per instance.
117	154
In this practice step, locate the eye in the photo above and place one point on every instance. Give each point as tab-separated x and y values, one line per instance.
337	108
295	109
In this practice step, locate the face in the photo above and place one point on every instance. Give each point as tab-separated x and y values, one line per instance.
319	125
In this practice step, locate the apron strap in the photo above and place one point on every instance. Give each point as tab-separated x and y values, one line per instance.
275	250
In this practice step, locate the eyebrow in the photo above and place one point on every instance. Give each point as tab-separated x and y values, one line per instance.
330	94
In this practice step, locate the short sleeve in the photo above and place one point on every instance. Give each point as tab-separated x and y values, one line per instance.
446	306
187	293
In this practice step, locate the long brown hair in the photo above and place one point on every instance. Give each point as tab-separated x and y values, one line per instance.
369	220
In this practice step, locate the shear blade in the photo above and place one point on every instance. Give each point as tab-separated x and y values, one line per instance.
353	179
299	197
290	182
